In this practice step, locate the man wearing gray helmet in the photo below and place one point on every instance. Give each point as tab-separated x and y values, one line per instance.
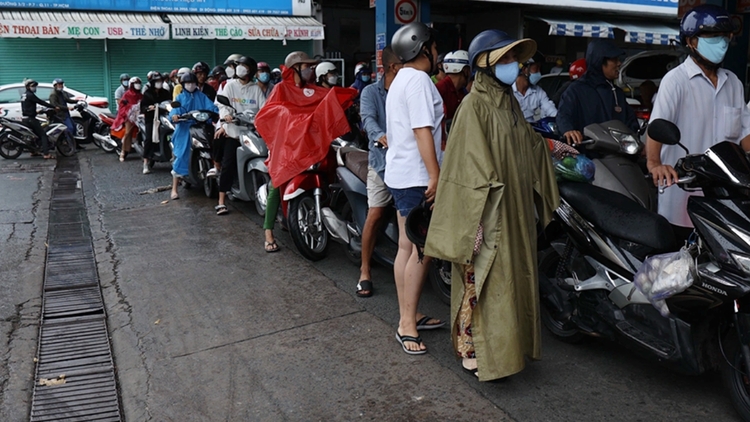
414	113
120	91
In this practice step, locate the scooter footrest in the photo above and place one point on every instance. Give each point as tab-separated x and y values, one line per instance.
645	339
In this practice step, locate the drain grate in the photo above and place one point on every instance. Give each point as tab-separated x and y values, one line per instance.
75	376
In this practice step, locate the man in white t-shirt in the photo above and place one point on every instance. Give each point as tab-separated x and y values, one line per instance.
414	111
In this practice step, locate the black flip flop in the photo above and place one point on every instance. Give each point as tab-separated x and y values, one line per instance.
403	339
364	285
275	247
470	371
422	324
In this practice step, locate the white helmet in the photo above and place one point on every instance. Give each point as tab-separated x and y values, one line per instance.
455	61
323	69
183	71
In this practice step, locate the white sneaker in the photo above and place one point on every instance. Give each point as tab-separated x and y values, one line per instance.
212	173
146	170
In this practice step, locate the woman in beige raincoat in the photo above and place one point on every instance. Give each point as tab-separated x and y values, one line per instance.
495	174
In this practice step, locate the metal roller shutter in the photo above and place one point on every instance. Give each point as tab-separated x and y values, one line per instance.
79	62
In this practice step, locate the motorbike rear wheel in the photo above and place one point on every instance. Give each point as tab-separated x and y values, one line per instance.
440	279
565	331
210	186
66	145
311	241
259	179
9	149
81	134
736	382
106	146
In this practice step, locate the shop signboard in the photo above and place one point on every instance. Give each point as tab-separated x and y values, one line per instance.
245	7
246	32
631	7
98	30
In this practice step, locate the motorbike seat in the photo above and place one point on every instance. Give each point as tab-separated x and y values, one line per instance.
357	161
619	216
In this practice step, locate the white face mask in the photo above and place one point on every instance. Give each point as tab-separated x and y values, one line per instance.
242	71
59	88
190	87
230	72
332	80
33	89
159	85
137	87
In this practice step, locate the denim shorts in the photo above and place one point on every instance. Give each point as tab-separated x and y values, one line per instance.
407	199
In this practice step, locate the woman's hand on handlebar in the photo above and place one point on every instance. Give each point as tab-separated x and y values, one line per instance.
175	118
228	118
573	137
664	175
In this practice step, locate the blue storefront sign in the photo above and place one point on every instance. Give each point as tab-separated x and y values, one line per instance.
248	7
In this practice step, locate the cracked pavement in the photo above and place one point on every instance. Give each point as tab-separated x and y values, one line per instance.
205	326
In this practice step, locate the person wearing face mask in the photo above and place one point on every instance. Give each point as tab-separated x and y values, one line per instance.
496	171
217	146
414	117
595	98
190	99
127	114
218	75
60	100
704	100
120	91
201	72
29	101
326	75
177	90
451	87
263	78
243	95
154	94
534	101
276	75
362	74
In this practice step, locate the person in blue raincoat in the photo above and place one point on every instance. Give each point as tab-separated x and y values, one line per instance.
190	99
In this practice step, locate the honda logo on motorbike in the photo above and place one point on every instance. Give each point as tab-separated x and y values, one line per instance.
713	289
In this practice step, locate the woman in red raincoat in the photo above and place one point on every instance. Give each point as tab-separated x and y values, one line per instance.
127	115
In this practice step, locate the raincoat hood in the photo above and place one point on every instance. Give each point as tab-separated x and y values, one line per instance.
597	51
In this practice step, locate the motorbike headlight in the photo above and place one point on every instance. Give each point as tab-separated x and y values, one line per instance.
250	144
628	144
196	143
314	167
743	260
201	116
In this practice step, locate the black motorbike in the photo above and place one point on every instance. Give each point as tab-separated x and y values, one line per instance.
87	125
16	137
163	127
586	275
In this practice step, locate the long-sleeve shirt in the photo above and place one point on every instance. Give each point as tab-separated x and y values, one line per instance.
29	102
535	99
60	100
242	97
372	111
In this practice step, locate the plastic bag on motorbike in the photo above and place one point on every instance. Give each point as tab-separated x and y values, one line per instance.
663	276
574	169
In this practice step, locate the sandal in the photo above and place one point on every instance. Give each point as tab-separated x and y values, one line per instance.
49	157
364	286
403	339
221	210
273	245
422	324
174	197
470	371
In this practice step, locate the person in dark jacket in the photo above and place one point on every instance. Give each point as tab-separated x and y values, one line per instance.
154	94
594	98
60	100
29	102
201	72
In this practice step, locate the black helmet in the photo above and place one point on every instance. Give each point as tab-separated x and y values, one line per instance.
218	71
408	41
30	82
417	224
154	76
537	58
58	81
251	64
704	19
188	78
124	77
201	67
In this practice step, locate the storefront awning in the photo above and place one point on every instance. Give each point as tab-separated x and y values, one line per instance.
82	25
578	27
648	33
243	27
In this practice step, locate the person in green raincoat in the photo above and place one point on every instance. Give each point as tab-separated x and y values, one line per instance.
496	172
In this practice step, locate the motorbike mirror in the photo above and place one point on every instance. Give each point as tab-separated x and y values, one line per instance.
223	100
664	131
176	104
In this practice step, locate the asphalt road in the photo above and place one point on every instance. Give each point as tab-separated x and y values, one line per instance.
206	326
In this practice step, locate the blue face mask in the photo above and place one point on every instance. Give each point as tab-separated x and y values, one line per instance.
534	78
365	78
264	77
507	73
713	49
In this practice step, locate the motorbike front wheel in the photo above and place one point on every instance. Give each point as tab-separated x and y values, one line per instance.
440	279
66	145
9	149
309	237
564	330
259	179
104	145
210	185
733	374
